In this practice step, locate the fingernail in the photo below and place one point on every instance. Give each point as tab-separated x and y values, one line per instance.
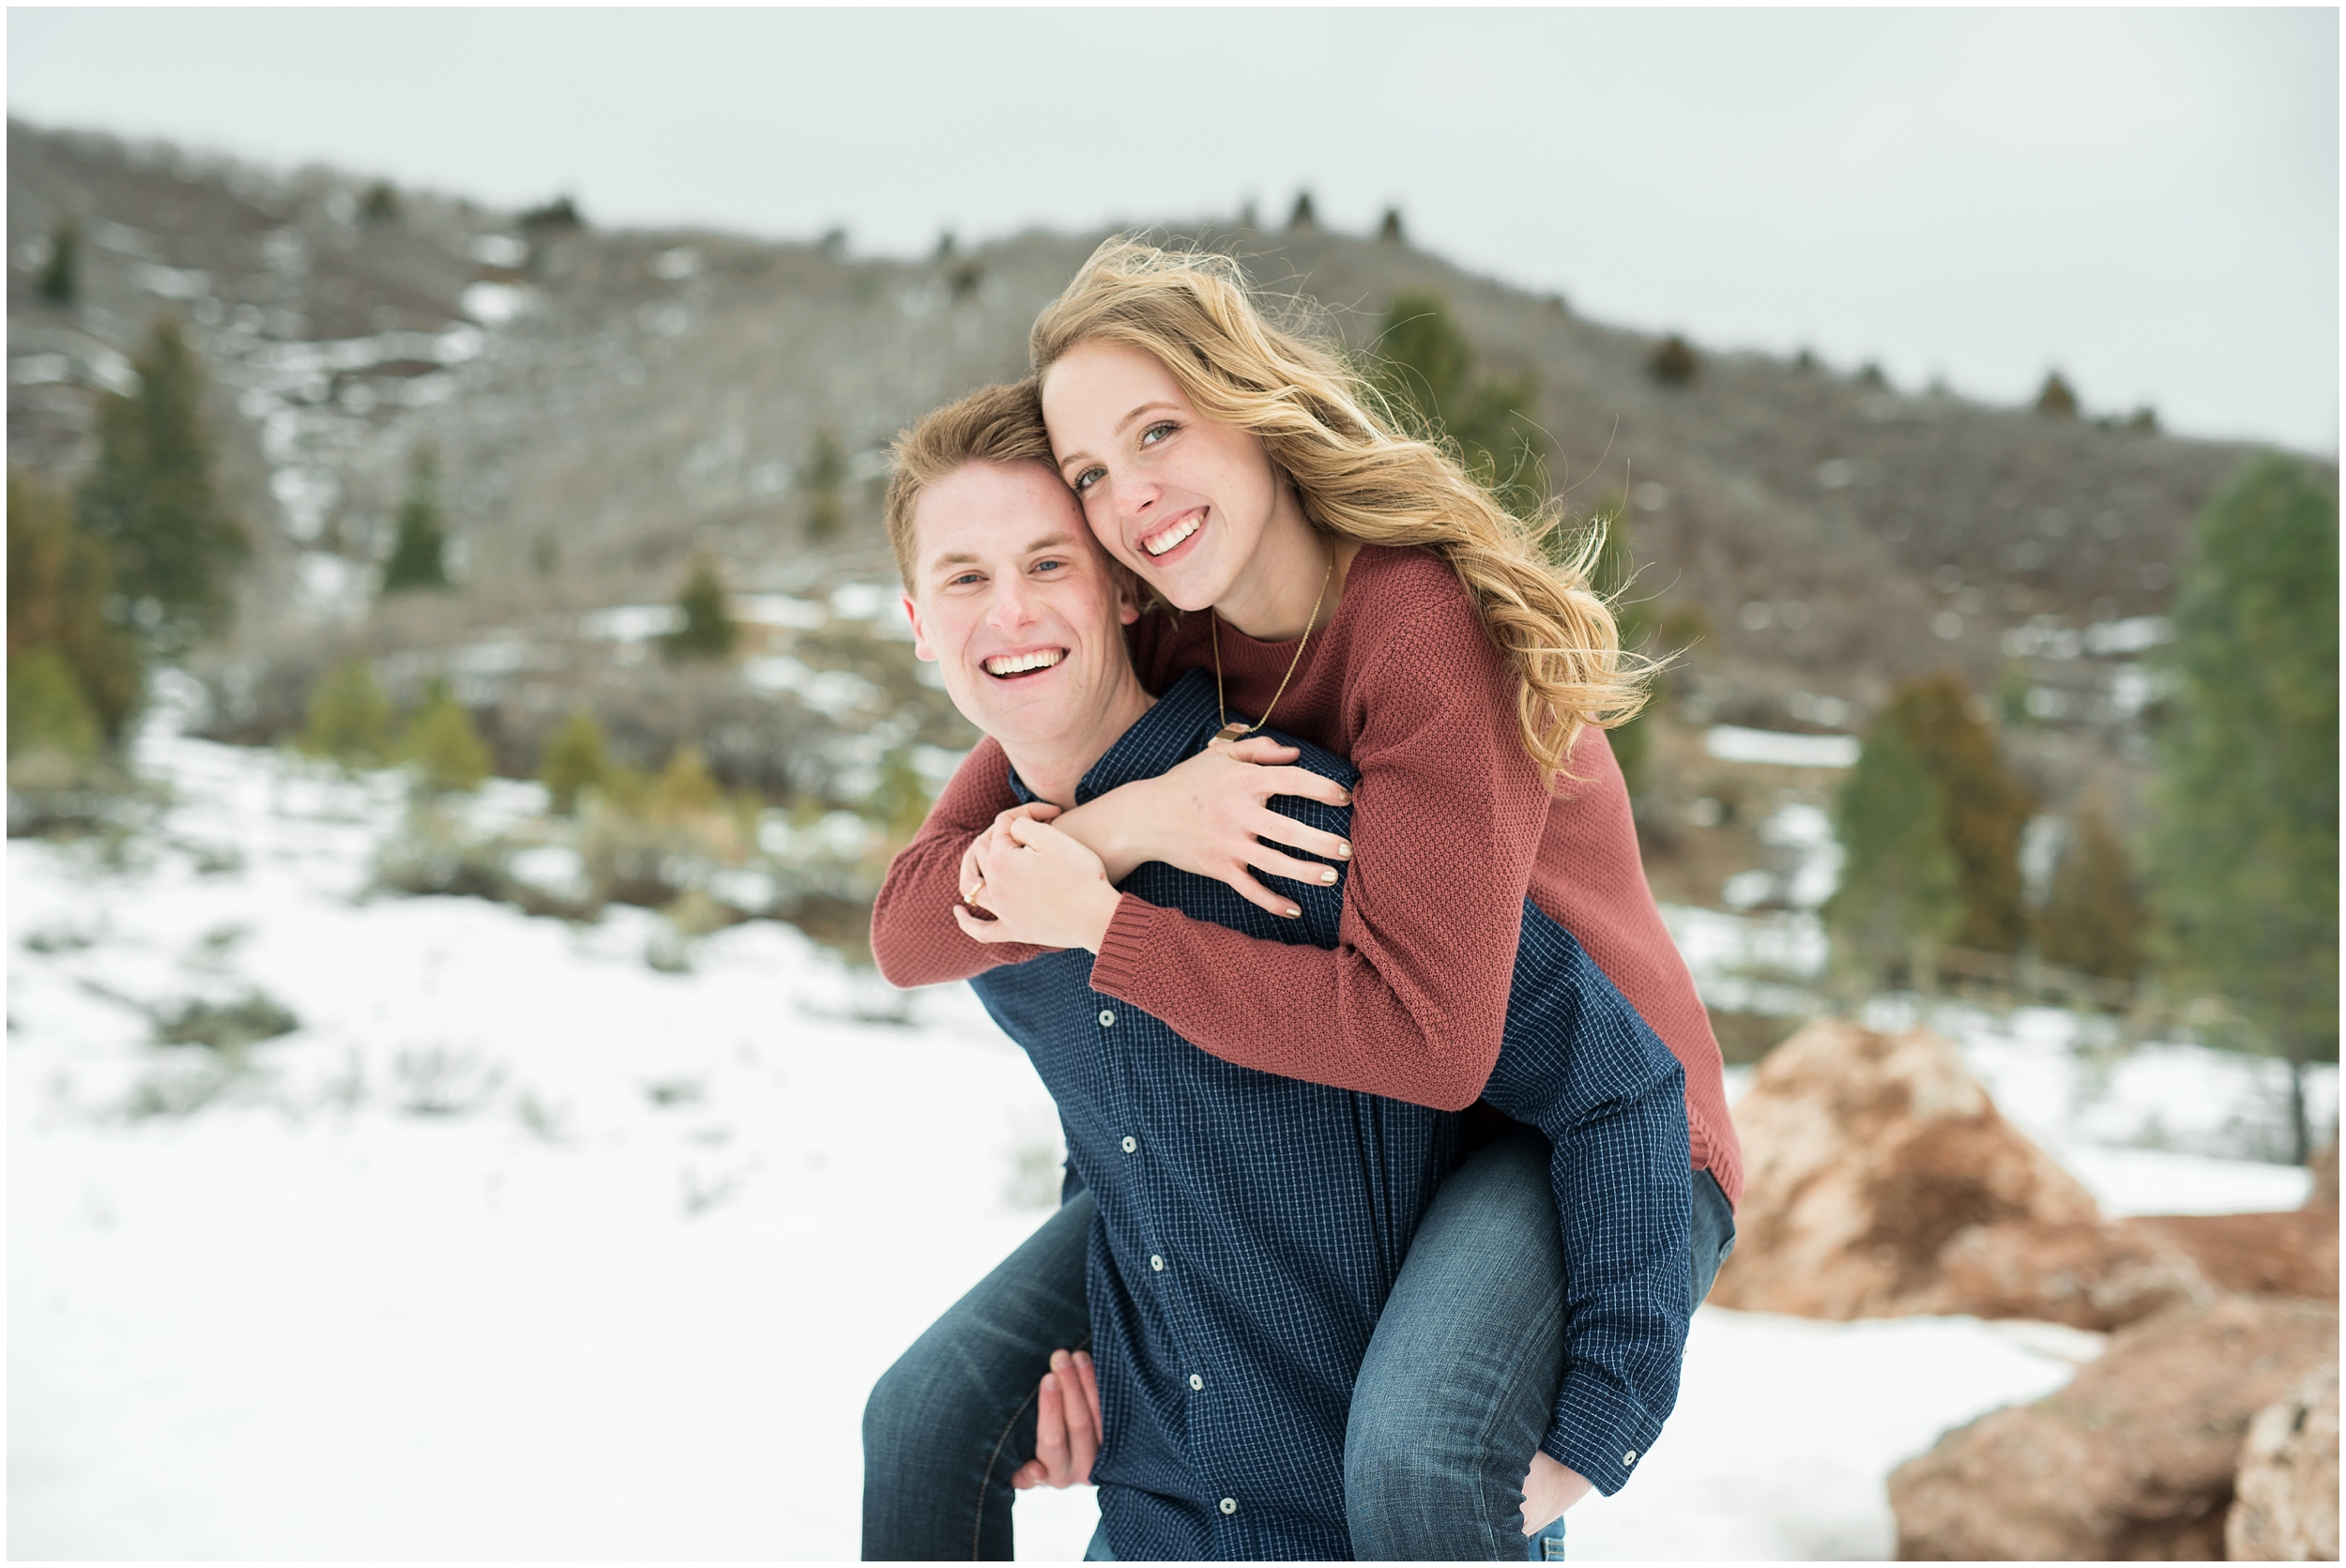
1343	797
1293	912
1059	1359
1344	851
1050	1380
1328	873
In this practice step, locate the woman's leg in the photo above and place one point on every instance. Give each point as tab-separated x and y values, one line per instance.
948	1423
1461	1375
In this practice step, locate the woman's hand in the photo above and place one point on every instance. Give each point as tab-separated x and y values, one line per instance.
1207	816
1042	887
1038	810
1549	1489
1066	1425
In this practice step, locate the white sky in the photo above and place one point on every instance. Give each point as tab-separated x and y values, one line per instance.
2147	199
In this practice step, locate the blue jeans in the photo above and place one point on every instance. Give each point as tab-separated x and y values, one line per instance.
1447	1410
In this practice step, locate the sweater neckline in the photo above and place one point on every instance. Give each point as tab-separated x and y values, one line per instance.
1353	580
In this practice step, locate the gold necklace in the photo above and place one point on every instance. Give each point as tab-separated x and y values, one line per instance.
1233	731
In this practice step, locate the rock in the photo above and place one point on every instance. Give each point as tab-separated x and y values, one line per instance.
2285	1498
1867	1154
2325	1163
2134	1460
2094	1275
2293	1253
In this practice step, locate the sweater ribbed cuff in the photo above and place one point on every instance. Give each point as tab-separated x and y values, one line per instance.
1116	970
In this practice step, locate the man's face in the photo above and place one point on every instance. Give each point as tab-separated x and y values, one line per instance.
1015	605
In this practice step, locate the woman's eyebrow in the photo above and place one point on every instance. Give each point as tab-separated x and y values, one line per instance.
1125	424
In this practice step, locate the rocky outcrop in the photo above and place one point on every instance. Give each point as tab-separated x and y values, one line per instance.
2293	1253
2285	1498
2135	1459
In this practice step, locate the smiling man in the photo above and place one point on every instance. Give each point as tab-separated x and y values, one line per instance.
1240	1233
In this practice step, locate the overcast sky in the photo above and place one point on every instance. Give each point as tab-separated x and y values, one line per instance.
2145	199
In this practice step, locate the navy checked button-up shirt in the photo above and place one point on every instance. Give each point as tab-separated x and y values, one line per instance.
1251	1228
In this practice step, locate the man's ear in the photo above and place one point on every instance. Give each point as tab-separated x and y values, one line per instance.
921	649
1127	593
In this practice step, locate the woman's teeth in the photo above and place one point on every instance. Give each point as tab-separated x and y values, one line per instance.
1020	663
1157	544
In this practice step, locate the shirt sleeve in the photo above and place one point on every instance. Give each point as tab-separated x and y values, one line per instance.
1446	823
915	938
1584	1069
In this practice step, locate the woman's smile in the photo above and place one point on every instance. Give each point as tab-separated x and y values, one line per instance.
1172	535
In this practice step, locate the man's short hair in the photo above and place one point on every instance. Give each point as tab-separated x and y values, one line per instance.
994	424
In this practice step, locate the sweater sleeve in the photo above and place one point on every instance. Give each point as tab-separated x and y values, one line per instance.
1446	823
915	940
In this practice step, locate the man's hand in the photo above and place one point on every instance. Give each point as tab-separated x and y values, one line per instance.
1042	888
1066	1425
1209	814
1039	810
1547	1491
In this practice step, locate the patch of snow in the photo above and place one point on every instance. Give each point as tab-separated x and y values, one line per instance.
497	249
2134	634
630	623
1734	743
677	264
330	587
493	304
780	609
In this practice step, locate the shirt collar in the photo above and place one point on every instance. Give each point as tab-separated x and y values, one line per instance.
1176	726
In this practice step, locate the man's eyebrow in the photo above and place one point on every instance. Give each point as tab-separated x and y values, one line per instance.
1121	426
964	557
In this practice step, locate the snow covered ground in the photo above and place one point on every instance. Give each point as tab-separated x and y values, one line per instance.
518	1247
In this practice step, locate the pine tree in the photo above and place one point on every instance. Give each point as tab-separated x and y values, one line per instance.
1986	807
151	499
710	631
1898	899
349	717
575	760
2244	832
60	281
443	747
1425	367
60	580
2094	920
822	480
419	549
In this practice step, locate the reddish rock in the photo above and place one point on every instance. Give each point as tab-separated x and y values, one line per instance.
2134	1460
1866	1155
2325	1163
2285	1498
2293	1253
2094	1275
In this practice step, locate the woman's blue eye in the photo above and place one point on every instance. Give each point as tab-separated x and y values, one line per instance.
1083	481
1156	433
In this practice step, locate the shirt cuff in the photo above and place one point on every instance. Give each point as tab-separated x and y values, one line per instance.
1116	970
1599	1430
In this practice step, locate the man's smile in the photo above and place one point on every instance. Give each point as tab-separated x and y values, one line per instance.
1010	666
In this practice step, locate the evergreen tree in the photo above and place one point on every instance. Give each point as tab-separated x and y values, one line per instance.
1425	366
1986	807
443	747
710	631
2245	837
60	281
2057	397
822	480
1899	898
575	760
151	499
349	719
900	802
60	580
419	549
2094	920
47	712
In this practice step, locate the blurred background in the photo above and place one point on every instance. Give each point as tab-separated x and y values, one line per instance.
459	714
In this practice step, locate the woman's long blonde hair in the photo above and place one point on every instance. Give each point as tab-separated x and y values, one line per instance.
1359	476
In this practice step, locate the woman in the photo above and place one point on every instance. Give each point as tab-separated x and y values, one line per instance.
1354	587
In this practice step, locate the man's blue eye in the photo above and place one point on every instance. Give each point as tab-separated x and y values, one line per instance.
1045	566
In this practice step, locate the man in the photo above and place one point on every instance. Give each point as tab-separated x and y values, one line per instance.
1242	1230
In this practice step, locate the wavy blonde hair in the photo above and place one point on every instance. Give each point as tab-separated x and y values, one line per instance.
1360	475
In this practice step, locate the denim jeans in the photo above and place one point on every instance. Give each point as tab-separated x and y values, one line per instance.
1448	1408
1460	1380
949	1424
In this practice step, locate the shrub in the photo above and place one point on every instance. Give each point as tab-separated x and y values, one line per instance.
684	789
419	549
560	213
349	717
1985	807
47	712
709	630
2057	397
1899	898
443	747
1425	367
60	281
227	1027
821	481
60	581
1673	362
2093	920
1302	217
574	760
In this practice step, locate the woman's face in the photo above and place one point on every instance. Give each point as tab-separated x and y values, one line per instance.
1180	499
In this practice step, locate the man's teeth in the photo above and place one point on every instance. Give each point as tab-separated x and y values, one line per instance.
1020	663
1171	536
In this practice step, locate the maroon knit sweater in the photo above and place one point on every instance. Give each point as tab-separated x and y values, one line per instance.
1452	828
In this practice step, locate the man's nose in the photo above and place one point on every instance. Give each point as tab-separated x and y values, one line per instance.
1011	607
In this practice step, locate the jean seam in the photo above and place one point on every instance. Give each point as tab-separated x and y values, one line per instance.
977	1527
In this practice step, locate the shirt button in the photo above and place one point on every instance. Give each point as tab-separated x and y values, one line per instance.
1230	1505
1108	1019
1629	1457
1199	1384
1131	1144
1157	1263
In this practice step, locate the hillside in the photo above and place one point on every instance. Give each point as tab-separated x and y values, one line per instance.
604	405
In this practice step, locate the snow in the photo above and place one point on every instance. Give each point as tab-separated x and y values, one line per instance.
1734	743
518	1247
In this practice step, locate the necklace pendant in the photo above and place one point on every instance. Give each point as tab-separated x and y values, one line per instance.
1232	732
